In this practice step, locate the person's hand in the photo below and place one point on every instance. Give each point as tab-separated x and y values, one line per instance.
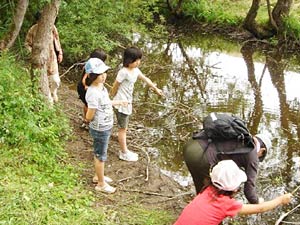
285	199
159	91
59	58
120	102
261	200
124	103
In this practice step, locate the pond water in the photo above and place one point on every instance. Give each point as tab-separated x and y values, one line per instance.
202	74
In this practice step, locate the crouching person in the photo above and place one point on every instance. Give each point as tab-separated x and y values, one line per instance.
217	202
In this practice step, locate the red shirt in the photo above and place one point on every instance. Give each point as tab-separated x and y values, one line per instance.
208	208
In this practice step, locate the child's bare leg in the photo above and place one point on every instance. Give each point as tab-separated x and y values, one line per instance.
99	169
122	139
54	83
85	108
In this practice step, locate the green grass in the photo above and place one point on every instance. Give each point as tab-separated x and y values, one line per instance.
38	184
233	13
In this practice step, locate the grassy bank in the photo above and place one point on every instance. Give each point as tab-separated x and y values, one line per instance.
233	13
38	184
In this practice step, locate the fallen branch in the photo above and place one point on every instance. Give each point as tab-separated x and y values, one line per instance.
285	215
128	178
148	161
158	194
294	223
295	190
289	212
180	195
71	67
148	193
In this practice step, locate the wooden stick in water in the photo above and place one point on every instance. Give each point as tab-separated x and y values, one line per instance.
285	215
295	190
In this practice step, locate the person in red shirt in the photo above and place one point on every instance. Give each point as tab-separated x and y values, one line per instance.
216	202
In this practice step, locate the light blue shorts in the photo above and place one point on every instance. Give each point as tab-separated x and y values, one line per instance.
101	139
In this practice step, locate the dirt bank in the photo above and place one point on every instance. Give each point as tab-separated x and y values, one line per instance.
138	182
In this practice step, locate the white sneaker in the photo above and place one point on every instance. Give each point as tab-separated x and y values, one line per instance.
85	126
106	179
128	156
106	188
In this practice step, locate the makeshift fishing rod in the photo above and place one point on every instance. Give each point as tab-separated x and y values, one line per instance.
289	212
295	190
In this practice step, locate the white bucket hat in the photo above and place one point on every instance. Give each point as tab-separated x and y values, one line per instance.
265	139
227	176
95	65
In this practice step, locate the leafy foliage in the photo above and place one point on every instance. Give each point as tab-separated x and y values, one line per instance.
33	183
86	25
213	12
38	184
292	25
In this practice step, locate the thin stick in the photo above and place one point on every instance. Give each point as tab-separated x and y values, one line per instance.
128	178
148	160
157	194
288	222
295	190
285	215
68	70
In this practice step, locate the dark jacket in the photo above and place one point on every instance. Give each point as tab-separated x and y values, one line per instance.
248	161
199	157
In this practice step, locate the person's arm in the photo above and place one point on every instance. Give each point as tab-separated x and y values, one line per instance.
90	114
119	102
251	169
83	81
58	45
115	88
151	84
265	206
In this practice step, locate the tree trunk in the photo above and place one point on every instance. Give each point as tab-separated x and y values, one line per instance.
280	11
42	41
250	24
271	20
9	39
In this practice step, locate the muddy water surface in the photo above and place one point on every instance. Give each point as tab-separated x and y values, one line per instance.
203	74
200	75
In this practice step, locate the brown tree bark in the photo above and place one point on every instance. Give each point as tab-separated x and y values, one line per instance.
280	11
276	19
9	39
40	49
271	20
249	22
259	31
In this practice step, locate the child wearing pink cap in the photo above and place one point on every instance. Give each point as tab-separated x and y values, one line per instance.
216	202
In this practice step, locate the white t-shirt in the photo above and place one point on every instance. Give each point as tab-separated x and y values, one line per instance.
126	79
99	99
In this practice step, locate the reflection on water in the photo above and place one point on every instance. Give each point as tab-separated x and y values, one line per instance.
202	76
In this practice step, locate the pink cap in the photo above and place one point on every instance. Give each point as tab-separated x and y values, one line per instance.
227	176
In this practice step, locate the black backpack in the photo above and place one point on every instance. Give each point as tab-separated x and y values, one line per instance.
229	133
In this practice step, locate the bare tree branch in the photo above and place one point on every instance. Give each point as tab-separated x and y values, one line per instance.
9	39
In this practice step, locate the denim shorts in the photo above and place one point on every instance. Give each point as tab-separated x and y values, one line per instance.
101	139
122	119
